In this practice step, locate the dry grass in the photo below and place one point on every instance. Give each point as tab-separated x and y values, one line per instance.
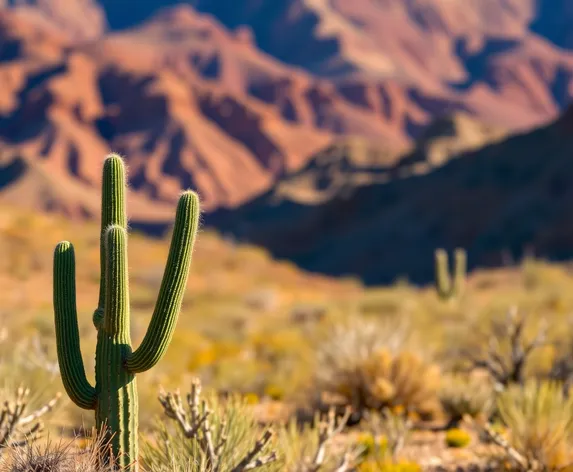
60	455
266	330
466	395
367	370
540	419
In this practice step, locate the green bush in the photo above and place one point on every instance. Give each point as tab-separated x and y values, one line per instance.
540	421
462	395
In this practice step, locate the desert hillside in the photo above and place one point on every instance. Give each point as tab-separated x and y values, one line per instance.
360	273
227	99
290	345
286	115
506	199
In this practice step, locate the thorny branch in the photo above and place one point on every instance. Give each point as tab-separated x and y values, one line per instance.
524	463
194	422
507	367
328	428
13	418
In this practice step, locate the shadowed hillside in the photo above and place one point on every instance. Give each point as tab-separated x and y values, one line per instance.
512	195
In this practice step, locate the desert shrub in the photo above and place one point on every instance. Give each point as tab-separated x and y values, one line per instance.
262	300
307	313
393	429
561	369
380	379
504	348
223	435
363	365
358	338
312	448
466	395
21	425
381	446
540	421
75	455
538	274
456	437
208	435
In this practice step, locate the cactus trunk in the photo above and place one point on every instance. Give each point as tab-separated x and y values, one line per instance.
117	407
114	397
117	392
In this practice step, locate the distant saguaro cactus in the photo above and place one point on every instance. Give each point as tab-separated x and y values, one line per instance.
449	287
114	397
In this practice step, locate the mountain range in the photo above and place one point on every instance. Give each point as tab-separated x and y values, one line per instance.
506	200
338	134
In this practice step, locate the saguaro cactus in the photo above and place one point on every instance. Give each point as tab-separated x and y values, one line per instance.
114	396
445	286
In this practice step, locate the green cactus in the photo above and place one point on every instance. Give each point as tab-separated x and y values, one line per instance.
446	287
114	397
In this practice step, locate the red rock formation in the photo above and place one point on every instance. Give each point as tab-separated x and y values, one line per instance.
229	109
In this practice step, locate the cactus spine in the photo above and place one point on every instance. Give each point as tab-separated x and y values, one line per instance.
446	287
114	397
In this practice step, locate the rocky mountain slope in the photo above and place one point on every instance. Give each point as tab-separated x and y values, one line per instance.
510	196
288	115
452	54
69	104
448	55
226	97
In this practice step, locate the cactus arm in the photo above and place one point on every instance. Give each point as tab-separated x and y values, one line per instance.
442	274
113	212
460	270
164	319
67	332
